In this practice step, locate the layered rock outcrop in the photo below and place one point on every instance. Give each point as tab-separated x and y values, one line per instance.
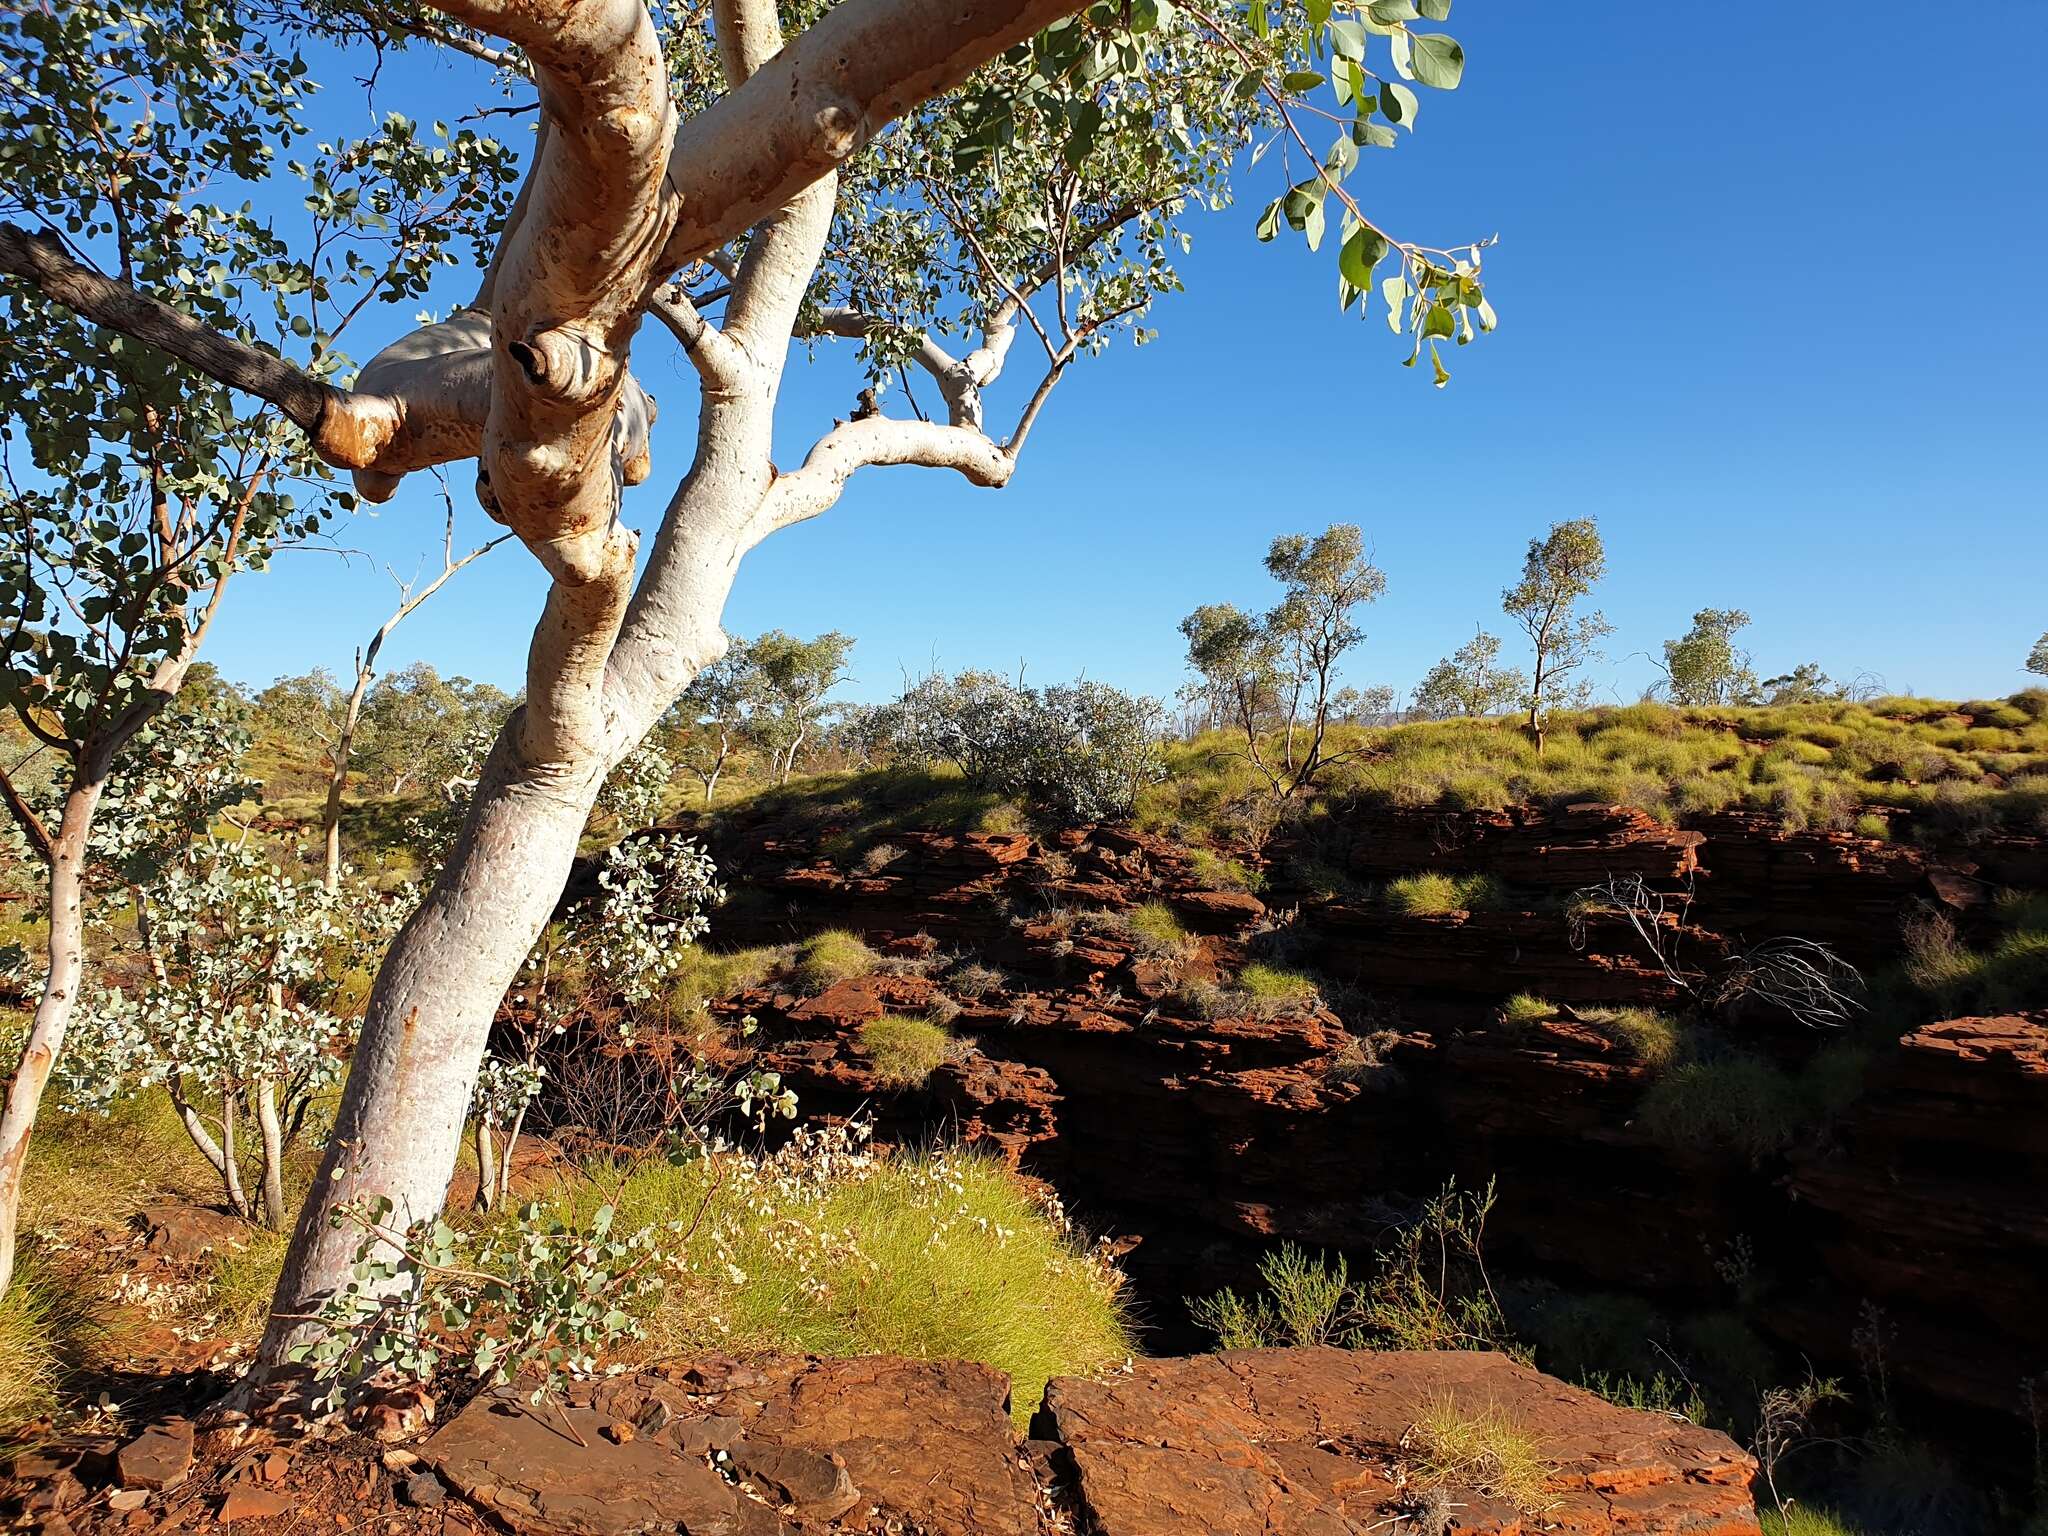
1174	1111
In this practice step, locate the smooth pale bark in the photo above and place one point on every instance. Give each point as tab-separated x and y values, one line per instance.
486	1166
65	969
272	1132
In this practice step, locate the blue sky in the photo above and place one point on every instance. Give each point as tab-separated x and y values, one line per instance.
1766	312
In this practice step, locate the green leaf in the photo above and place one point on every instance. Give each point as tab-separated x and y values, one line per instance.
1297	81
1389	11
1436	10
1347	40
1360	254
1400	104
1439	61
1269	221
1312	225
1443	374
1394	290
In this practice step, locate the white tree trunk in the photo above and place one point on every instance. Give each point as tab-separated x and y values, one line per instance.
274	1213
65	968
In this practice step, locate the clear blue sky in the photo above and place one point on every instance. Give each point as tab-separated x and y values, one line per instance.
1767	311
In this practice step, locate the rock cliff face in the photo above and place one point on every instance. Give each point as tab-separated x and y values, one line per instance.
1170	1109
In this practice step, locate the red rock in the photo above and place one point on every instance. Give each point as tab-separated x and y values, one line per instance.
1318	1442
244	1502
158	1458
1221	911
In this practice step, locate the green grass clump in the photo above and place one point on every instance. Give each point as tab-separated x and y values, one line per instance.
48	1325
1154	929
934	1255
827	958
1732	1101
1217	873
1804	1520
1270	991
1434	893
906	1051
1651	1037
1483	1449
706	976
1526	1008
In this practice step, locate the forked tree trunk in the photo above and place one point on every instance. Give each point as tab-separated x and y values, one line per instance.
66	967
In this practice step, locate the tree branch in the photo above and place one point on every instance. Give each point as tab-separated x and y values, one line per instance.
349	430
874	440
25	817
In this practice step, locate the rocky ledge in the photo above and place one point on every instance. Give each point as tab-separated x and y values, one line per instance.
1281	1442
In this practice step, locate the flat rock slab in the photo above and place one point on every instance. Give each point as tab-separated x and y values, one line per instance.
158	1458
718	1447
1316	1442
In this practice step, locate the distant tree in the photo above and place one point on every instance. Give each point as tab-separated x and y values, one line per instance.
1559	570
1467	682
1362	706
1804	684
2037	658
710	719
1279	671
1326	580
1237	667
790	680
1704	667
348	722
418	725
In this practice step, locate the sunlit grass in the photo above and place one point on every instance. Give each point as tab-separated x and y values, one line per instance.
1480	1448
833	956
933	1255
907	1052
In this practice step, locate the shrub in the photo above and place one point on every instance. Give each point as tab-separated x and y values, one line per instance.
827	958
828	1248
705	976
1804	1520
1305	1301
1082	752
1154	929
1734	1101
1525	1008
907	1051
1483	1449
974	980
1870	824
1434	893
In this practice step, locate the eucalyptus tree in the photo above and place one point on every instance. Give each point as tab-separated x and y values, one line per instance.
1278	671
789	681
1470	681
940	184
1703	666
2037	658
1558	572
1325	581
711	717
416	722
133	483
